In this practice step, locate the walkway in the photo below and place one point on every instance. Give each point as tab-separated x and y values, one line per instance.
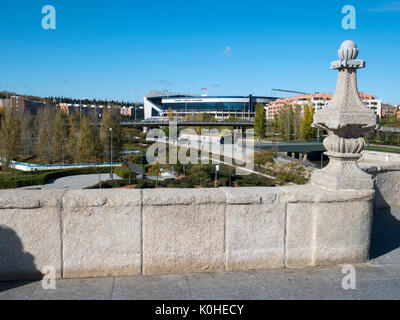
73	182
378	279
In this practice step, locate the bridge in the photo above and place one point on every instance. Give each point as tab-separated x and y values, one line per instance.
298	147
192	123
389	129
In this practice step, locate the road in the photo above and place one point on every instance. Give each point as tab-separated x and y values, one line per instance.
73	182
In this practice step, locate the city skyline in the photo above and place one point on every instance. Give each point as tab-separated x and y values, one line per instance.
121	50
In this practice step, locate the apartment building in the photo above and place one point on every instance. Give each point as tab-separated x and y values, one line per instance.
22	105
318	100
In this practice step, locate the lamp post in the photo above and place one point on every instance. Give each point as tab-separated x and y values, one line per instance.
216	174
111	153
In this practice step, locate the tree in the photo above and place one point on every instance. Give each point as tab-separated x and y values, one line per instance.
154	170
26	121
307	131
60	136
285	122
10	136
276	123
259	120
45	122
297	119
111	120
73	138
86	145
262	158
170	114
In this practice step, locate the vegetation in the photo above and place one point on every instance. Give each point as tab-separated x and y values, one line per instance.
197	176
291	173
293	123
52	137
259	121
10	136
10	178
262	158
390	122
307	131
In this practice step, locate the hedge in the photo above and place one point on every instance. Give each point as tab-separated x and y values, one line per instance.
43	177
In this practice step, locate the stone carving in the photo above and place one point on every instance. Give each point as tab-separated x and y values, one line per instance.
345	119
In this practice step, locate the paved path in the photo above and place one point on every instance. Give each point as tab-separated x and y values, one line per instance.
73	182
378	279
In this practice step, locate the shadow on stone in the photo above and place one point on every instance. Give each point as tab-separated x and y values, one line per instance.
385	235
15	263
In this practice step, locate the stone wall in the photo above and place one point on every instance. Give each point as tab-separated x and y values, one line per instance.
90	233
376	156
387	182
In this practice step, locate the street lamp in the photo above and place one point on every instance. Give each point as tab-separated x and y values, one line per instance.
216	174
111	154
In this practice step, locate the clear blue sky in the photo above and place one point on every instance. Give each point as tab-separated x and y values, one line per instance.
120	49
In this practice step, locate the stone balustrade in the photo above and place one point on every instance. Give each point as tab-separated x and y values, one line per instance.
94	233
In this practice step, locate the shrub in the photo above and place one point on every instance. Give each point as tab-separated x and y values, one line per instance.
123	172
25	179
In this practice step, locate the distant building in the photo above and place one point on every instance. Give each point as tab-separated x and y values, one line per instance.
126	111
388	111
318	101
91	111
134	113
159	105
24	105
75	108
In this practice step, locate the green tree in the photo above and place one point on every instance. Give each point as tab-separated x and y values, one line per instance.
86	142
285	122
307	131
154	170
276	123
259	120
10	136
73	138
26	121
111	120
297	119
45	122
60	136
262	158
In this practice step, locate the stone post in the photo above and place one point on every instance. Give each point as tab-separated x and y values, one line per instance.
345	118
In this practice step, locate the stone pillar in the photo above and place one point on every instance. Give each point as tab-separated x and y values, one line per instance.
345	118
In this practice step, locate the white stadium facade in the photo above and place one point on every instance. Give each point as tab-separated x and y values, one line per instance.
159	105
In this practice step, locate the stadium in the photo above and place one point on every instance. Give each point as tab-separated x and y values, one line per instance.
159	105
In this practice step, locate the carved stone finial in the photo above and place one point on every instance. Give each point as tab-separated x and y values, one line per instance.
348	50
345	118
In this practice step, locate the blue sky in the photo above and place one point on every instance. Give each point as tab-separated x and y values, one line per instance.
120	49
